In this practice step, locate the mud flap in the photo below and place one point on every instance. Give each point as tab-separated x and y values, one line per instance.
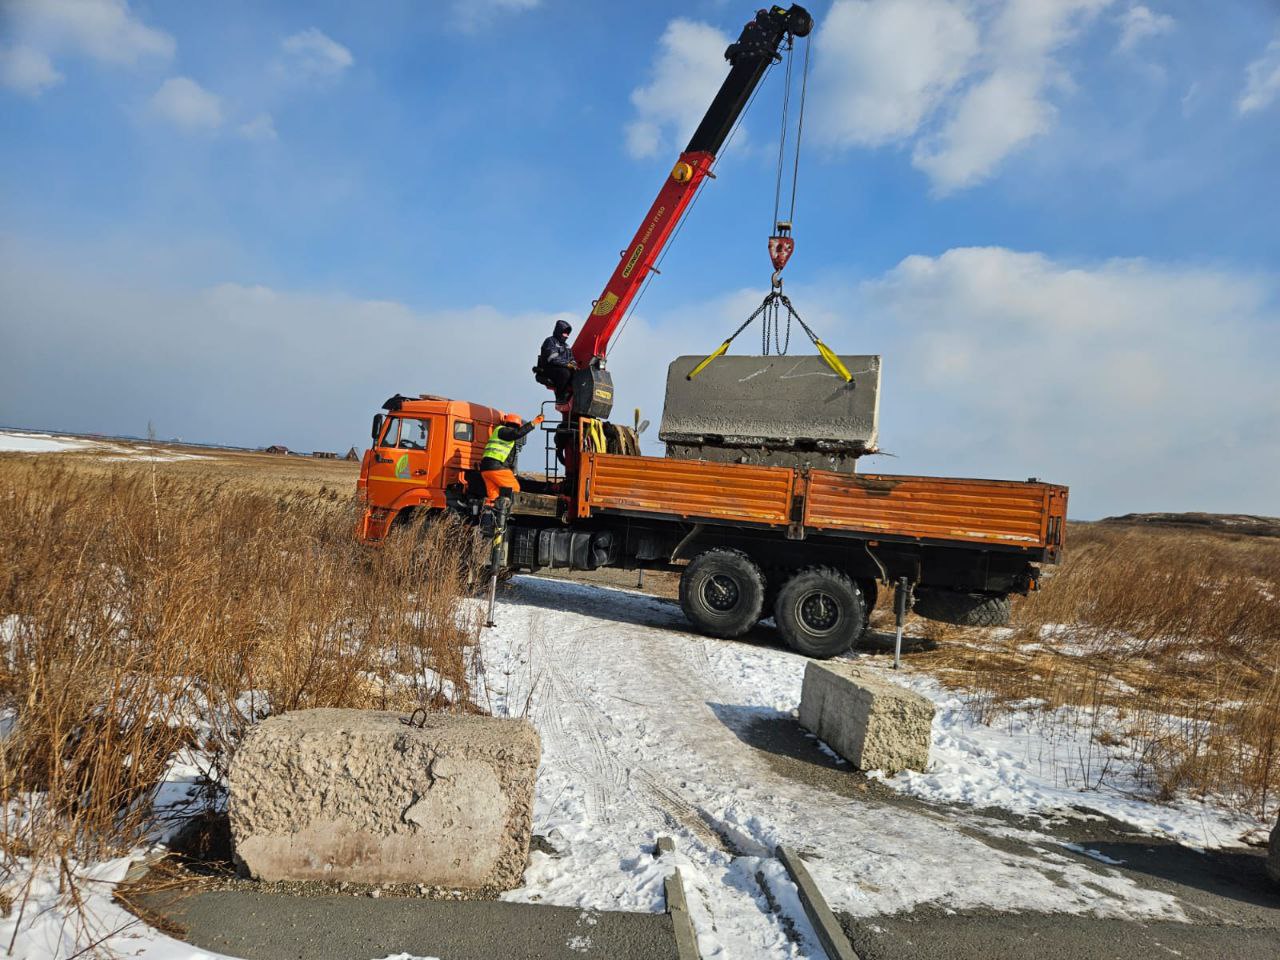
778	411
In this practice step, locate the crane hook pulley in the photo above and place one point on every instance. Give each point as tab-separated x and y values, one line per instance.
781	246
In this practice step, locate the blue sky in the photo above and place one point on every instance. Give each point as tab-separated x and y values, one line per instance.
251	222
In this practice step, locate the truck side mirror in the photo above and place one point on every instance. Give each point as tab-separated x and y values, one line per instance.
377	427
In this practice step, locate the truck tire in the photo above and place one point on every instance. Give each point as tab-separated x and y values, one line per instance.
963	609
722	592
820	612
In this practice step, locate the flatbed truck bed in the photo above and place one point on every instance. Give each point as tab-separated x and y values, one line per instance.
1025	515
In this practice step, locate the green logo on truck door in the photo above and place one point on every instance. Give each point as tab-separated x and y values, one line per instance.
402	467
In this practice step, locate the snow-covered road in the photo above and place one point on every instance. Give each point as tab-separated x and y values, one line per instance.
642	727
649	729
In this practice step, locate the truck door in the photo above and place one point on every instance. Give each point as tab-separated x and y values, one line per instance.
402	460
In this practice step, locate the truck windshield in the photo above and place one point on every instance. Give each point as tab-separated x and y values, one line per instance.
407	433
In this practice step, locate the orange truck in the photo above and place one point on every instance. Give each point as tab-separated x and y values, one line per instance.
808	548
780	537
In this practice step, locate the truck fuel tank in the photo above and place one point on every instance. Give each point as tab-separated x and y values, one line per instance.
790	411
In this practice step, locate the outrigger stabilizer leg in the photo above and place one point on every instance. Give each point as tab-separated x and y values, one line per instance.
901	604
501	511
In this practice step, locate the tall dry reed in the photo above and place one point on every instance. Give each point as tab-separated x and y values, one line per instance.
145	619
1170	638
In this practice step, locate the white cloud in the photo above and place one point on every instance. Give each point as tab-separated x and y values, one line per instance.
1134	381
1143	385
27	70
1007	107
881	68
229	362
1140	23
686	75
966	82
1262	80
106	30
261	127
187	105
472	15
993	118
312	54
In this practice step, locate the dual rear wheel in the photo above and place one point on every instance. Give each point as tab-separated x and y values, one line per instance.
819	611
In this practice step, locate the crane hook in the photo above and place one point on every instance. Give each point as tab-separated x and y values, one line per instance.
781	246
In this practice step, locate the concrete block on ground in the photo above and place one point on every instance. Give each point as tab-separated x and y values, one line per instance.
1273	856
874	724
361	796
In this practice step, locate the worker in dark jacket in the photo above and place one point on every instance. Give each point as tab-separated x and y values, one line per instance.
556	359
495	467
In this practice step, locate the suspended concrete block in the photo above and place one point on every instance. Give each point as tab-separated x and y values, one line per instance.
776	411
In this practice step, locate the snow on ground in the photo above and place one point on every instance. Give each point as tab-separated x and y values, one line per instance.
1033	762
643	727
137	456
51	930
39	443
646	730
15	442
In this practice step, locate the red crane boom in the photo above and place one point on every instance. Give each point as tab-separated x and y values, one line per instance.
749	57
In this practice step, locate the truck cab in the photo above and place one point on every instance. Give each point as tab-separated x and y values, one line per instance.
422	447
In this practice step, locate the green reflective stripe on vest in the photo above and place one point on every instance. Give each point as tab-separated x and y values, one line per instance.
497	448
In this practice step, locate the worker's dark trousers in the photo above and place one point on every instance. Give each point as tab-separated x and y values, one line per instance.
560	378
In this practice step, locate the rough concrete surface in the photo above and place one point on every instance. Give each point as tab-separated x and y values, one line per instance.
873	724
773	400
272	927
359	795
1273	858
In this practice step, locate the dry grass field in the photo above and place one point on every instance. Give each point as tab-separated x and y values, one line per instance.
152	610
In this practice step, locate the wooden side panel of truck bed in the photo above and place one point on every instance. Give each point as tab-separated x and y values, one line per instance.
685	488
935	508
1002	512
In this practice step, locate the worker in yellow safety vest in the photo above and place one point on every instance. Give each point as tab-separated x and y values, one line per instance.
495	465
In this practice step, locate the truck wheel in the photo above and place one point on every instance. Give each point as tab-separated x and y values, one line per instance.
820	612
722	592
963	609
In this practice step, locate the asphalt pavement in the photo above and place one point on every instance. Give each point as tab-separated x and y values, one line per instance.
260	926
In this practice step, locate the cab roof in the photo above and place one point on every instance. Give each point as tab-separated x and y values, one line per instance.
426	404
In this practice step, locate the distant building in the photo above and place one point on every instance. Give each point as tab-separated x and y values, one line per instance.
277	448
324	455
353	454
